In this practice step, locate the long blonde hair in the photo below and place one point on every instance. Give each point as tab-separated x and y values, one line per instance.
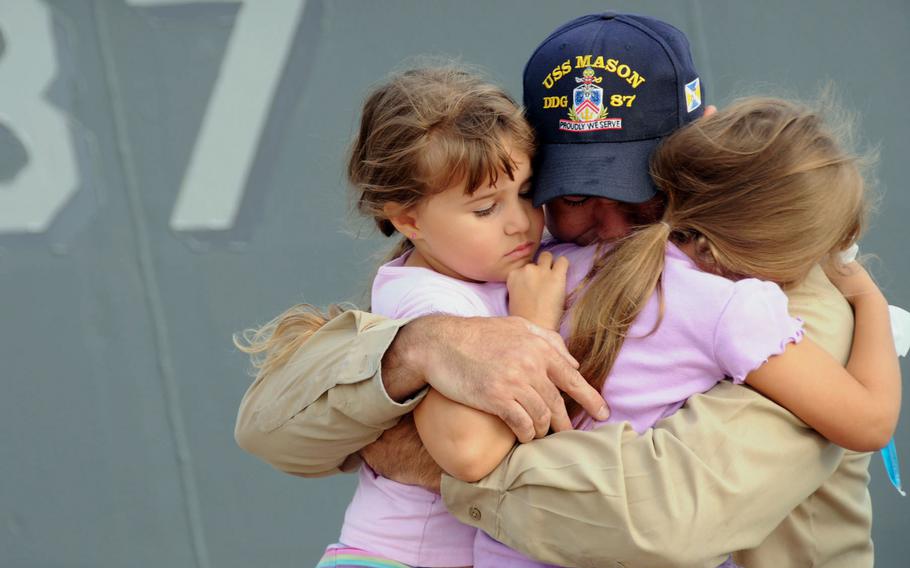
763	188
421	131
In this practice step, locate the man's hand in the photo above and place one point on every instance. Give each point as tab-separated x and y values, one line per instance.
507	367
399	455
537	291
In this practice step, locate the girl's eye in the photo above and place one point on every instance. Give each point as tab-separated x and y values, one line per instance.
575	202
484	212
525	194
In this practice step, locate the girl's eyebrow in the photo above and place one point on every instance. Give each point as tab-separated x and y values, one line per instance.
479	197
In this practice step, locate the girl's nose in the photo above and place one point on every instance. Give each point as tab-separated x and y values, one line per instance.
518	220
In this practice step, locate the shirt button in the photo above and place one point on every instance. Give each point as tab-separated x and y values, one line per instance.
475	513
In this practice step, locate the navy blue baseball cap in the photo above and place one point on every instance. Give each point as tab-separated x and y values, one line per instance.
601	92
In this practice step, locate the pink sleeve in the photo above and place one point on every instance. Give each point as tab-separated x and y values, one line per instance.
753	326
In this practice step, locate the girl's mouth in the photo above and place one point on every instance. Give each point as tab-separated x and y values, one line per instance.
522	249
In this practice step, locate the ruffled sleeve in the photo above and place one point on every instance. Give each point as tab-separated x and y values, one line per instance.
753	326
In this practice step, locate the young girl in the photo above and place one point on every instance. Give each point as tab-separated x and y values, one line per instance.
756	196
443	159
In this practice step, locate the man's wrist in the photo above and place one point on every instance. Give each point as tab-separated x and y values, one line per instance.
403	363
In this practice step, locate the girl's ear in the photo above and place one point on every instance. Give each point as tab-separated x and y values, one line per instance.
403	218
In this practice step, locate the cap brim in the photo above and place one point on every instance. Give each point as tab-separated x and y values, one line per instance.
615	170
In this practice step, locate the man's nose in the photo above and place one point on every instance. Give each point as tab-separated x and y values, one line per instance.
612	222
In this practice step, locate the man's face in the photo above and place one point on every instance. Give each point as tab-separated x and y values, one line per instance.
583	220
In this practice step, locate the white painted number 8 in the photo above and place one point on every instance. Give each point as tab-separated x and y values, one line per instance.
223	154
30	201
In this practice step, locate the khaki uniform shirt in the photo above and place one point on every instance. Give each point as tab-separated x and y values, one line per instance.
731	470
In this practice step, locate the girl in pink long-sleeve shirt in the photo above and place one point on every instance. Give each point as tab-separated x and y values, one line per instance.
443	159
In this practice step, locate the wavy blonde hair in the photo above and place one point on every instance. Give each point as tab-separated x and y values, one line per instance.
764	188
421	132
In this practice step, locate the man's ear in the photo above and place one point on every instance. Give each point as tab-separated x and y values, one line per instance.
403	218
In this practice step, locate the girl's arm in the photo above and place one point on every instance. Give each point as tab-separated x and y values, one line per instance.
857	407
467	443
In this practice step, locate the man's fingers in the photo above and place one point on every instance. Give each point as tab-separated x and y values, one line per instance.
536	409
517	419
559	417
555	342
573	384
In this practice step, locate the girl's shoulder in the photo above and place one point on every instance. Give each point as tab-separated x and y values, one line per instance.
740	323
403	291
753	299
754	325
714	292
707	300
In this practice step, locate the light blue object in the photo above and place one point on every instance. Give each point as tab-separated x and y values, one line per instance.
893	466
900	327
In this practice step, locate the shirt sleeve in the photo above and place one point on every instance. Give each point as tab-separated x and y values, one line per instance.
717	476
310	417
753	326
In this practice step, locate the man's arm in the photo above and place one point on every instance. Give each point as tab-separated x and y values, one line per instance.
360	373
717	476
399	454
311	416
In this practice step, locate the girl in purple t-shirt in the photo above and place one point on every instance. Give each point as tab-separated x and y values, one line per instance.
756	196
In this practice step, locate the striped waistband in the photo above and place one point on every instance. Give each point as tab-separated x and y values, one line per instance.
341	556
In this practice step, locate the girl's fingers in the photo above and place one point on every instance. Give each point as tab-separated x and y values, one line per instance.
561	266
545	260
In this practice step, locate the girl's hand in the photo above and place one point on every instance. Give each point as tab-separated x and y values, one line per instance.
853	282
537	291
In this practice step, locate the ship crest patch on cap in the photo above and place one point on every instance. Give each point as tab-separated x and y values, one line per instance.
588	112
693	95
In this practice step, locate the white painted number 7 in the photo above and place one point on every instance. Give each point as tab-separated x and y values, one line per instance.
235	117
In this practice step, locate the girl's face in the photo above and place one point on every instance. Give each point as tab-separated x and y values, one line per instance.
484	236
